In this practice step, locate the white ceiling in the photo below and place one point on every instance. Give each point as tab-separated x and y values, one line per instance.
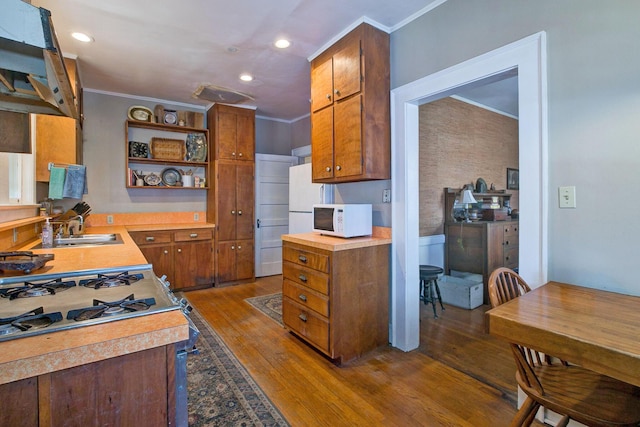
166	49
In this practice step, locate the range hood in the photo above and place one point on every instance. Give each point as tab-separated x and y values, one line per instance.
33	78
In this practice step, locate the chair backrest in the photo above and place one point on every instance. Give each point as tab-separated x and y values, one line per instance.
505	285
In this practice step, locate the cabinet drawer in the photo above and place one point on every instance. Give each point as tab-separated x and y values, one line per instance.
144	238
190	235
306	323
314	260
306	277
510	230
306	297
511	256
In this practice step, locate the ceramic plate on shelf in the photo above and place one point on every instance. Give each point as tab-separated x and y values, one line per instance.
140	113
196	147
138	149
152	179
171	176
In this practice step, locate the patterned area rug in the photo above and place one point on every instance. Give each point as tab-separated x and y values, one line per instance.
221	391
271	305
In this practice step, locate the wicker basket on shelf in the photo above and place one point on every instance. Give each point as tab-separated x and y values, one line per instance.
168	149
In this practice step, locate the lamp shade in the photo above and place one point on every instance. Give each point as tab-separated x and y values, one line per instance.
467	198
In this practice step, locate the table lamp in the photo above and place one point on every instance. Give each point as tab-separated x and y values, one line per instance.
465	199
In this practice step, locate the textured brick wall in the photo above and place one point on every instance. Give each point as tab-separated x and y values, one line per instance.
460	143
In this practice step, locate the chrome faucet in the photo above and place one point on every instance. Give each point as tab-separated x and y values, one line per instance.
70	227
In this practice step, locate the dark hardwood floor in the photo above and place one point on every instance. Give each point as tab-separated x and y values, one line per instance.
459	376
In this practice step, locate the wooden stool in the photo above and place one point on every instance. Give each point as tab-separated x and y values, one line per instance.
429	289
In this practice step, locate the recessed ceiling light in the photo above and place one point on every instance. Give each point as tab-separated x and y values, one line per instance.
282	43
245	77
82	37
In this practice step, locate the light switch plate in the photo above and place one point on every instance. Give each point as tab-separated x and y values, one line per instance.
567	197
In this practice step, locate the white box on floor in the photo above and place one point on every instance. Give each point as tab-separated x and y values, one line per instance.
460	292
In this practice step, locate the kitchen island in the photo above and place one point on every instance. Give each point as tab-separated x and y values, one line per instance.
120	372
336	292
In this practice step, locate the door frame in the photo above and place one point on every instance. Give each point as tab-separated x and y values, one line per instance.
528	57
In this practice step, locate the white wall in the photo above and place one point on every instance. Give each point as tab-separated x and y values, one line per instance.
593	100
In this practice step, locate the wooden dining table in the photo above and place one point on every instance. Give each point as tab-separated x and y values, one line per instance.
596	329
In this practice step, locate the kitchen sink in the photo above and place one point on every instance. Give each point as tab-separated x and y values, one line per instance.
84	240
87	239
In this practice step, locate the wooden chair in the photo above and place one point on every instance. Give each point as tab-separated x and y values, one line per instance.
574	392
507	285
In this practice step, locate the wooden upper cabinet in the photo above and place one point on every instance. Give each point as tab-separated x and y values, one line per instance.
59	139
350	112
233	132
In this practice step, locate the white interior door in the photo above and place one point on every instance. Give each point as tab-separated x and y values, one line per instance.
272	211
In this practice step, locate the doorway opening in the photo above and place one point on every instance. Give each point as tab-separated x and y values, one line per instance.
528	57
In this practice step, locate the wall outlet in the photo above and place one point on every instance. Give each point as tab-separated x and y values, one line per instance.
196	216
109	219
386	196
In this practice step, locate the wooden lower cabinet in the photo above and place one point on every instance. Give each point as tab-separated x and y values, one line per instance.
130	390
235	261
337	301
481	247
184	256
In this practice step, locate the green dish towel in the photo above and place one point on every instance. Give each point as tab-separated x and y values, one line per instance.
56	182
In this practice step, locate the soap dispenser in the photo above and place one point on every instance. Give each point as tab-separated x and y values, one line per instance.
47	234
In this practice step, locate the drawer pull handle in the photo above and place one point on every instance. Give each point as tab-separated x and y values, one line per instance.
233	212
302	297
150	239
193	235
338	168
166	252
239	212
179	251
302	258
506	242
302	317
302	278
328	168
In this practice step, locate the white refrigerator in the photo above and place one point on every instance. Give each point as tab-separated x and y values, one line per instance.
303	194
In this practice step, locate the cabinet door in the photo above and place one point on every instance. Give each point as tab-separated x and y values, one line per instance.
348	137
19	403
246	135
193	264
244	189
226	134
55	142
322	85
346	71
244	259
226	194
108	392
322	144
226	259
161	257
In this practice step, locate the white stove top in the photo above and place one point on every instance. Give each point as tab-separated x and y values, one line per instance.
148	288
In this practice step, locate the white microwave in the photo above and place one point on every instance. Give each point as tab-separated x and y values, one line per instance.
348	220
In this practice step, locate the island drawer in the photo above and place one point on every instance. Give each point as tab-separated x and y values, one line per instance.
306	297
306	323
306	277
315	260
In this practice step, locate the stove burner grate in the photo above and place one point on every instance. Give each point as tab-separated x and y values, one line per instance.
34	319
111	280
37	289
105	309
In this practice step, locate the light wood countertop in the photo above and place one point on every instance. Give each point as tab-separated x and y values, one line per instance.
381	236
35	355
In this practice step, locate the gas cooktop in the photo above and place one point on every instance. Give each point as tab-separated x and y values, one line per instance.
37	304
